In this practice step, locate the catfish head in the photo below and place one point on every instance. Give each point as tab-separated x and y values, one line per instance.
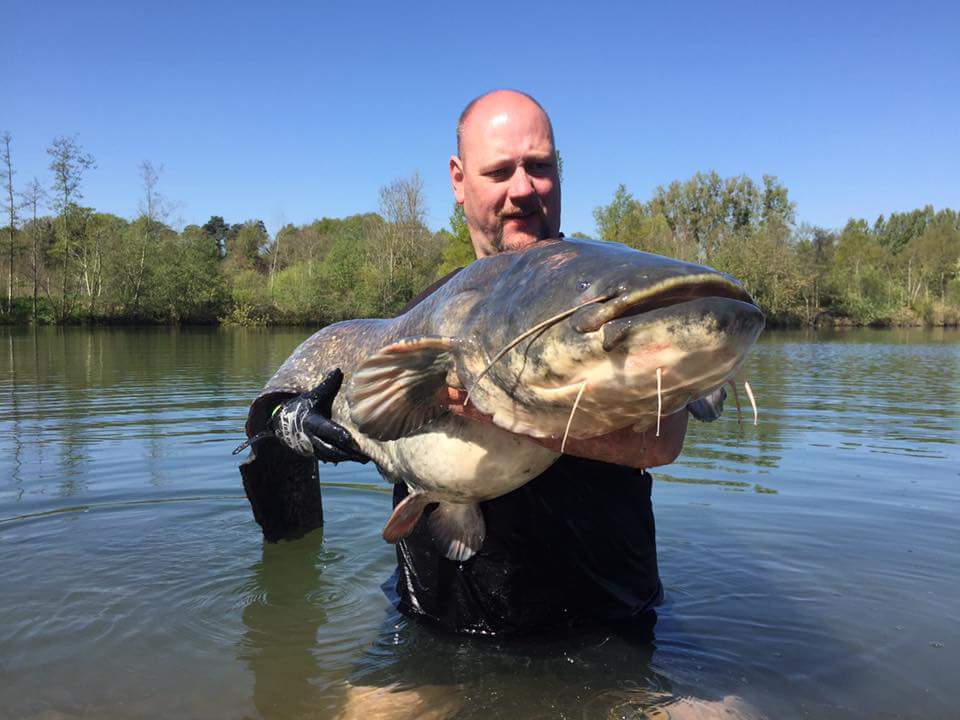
623	336
636	336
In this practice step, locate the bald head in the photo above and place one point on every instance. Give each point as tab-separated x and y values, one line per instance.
505	172
496	99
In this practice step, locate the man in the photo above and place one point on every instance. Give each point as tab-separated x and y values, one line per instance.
577	543
574	545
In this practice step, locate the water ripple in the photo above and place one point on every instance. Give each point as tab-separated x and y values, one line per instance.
806	561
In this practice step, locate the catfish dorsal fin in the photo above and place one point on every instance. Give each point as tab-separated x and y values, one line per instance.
400	387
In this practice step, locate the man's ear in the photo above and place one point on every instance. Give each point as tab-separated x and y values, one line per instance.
456	178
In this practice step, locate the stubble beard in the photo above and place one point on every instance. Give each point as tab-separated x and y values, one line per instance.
498	239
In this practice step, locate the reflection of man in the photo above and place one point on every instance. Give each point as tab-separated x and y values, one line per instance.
281	619
575	544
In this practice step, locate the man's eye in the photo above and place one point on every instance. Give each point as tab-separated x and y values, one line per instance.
540	168
498	174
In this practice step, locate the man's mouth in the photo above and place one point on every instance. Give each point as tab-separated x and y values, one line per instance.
522	223
522	218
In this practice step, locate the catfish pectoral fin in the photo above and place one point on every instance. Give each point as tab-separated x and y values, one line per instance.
458	528
401	387
710	406
405	517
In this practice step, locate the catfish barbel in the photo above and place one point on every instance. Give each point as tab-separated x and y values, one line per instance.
583	342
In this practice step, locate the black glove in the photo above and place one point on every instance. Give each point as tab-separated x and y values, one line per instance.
303	424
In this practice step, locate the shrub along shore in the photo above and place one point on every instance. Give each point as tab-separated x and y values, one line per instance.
78	265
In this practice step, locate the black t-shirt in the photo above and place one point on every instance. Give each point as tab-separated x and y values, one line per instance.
575	545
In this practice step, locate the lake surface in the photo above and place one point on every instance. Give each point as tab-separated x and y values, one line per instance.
811	564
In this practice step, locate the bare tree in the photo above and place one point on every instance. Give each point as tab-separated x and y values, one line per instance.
11	208
153	205
153	210
403	206
90	257
274	249
68	163
402	239
32	198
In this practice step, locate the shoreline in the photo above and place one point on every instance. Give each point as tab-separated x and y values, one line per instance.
839	323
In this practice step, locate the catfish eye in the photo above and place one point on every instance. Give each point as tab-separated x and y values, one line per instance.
583	285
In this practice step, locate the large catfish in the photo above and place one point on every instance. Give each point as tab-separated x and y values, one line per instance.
582	341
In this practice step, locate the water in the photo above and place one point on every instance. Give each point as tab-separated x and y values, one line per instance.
811	565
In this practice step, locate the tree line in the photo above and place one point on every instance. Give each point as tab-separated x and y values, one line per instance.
65	262
902	269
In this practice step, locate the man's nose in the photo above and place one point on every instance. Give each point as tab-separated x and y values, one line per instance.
520	184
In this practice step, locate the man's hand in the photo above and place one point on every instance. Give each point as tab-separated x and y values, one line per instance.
623	447
303	424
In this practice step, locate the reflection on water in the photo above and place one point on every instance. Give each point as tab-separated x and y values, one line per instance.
283	618
812	564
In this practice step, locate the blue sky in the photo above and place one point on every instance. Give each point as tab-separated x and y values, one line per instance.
293	111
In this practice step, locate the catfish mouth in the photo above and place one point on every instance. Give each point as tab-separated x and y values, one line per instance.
663	294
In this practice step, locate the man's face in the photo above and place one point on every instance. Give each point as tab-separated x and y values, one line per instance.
507	178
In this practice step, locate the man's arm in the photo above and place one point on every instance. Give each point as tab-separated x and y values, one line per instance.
634	449
288	433
624	447
303	424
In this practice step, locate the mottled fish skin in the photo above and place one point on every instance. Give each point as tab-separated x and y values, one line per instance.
426	459
640	313
530	391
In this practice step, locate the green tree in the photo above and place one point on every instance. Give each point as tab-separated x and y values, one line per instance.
219	231
896	232
457	246
188	285
631	222
763	260
814	254
860	275
244	247
69	163
100	251
776	202
612	219
695	211
343	283
153	212
404	253
937	250
32	198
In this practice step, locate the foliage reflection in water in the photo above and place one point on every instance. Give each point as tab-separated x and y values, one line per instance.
811	563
